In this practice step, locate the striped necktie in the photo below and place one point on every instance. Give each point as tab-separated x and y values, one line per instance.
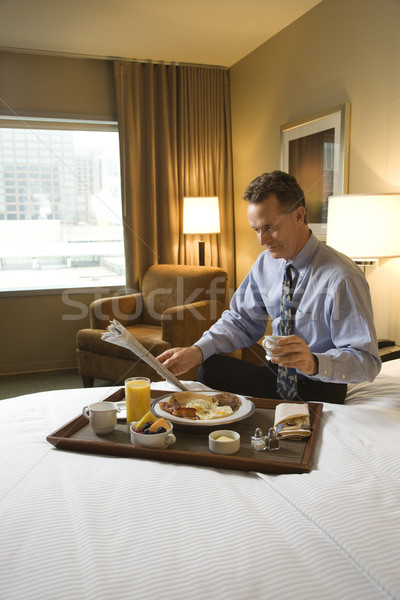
286	383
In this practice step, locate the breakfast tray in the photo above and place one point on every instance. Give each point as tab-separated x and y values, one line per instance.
191	445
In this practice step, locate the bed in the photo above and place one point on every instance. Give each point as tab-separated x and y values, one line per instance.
93	527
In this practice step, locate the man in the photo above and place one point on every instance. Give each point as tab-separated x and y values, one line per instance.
327	310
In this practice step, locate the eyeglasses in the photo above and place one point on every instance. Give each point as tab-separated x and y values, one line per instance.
270	229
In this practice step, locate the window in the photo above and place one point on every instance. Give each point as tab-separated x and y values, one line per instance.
64	177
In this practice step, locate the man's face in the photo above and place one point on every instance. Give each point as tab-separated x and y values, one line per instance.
283	235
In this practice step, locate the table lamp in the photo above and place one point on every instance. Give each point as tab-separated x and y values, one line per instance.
365	227
201	215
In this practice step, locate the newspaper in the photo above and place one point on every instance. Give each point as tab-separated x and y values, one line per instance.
117	334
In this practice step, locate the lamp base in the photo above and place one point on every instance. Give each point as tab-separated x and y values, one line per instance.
201	253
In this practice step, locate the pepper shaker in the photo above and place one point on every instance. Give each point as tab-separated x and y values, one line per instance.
273	440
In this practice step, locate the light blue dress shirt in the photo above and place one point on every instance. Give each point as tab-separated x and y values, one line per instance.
332	313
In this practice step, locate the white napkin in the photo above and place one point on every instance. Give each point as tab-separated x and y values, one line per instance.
194	386
292	421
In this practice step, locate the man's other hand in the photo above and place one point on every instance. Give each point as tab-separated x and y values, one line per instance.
180	360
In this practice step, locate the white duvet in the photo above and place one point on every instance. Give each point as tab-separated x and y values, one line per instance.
78	526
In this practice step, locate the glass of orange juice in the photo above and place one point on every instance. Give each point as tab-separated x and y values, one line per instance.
137	396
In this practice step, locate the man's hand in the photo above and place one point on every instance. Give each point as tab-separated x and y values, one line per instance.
299	355
180	360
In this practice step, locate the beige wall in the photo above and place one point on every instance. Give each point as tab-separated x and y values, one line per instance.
342	50
38	332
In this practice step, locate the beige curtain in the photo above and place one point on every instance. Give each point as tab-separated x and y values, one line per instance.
175	140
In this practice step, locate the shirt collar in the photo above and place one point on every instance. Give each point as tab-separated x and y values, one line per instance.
303	258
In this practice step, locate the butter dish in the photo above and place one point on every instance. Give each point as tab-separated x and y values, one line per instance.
224	441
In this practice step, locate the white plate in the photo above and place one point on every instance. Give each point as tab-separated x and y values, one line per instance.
121	416
245	410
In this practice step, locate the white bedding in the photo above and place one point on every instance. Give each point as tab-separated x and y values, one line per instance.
78	526
383	393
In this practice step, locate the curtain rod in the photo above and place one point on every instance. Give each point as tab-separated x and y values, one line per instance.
97	57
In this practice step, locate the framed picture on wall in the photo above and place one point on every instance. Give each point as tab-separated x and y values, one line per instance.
316	151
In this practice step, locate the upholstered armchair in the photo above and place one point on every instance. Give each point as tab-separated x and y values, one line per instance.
176	304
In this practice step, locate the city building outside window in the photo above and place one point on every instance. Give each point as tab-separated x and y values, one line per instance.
60	206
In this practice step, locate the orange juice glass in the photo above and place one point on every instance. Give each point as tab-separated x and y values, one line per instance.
137	396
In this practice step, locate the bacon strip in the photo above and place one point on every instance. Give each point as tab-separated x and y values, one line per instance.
173	408
169	406
165	406
185	412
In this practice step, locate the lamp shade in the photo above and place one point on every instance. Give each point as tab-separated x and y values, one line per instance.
364	226
201	215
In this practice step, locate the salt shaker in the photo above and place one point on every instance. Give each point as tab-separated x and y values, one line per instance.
258	441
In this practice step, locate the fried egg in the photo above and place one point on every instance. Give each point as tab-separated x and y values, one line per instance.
207	409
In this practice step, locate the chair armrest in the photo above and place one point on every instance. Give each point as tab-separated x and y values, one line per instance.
183	325
126	309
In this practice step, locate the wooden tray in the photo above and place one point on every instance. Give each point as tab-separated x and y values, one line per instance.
191	446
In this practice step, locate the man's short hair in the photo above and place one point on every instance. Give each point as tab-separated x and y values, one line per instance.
284	186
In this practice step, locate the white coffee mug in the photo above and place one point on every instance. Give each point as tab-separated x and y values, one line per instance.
269	342
102	416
